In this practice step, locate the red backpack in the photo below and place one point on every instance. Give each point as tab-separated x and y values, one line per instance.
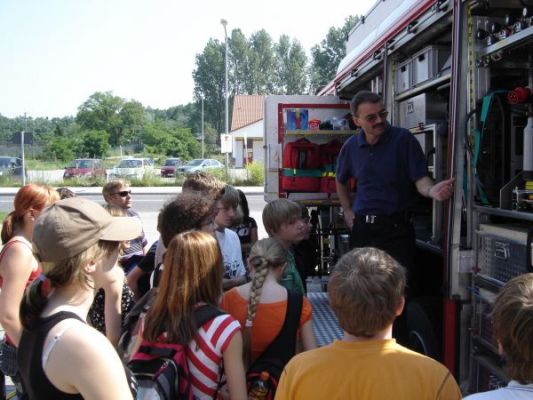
328	154
161	369
301	154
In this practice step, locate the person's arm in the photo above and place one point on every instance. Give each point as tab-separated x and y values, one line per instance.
343	191
308	336
228	283
98	372
234	368
440	191
113	307
15	268
133	280
253	235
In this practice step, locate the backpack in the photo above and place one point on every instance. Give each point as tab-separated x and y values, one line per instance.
301	154
130	326
161	369
281	350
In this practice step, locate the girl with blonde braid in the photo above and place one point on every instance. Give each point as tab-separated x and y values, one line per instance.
260	305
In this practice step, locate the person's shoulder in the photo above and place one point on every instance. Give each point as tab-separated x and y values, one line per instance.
132	213
352	140
492	395
400	132
231	296
311	358
231	234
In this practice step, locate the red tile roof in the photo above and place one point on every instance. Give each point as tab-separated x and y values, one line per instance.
247	109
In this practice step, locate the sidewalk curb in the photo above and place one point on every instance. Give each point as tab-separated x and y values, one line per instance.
4	191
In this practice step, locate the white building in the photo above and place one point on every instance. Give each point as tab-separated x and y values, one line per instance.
247	129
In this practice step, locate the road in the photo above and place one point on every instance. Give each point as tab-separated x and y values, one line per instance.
148	206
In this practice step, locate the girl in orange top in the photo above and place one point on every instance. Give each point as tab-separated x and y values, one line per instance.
260	306
18	266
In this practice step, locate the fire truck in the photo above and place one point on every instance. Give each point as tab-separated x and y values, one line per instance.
458	75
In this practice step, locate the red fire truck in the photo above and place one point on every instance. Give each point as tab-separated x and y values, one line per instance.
459	75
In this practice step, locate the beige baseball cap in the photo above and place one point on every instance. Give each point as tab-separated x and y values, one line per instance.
72	225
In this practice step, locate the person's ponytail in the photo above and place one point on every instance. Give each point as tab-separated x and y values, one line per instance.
8	227
34	301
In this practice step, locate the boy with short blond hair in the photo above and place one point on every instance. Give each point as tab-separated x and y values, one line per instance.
512	317
366	290
282	219
204	183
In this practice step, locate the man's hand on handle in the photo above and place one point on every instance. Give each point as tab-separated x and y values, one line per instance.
348	217
442	191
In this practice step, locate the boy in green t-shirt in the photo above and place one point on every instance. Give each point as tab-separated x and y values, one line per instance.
282	219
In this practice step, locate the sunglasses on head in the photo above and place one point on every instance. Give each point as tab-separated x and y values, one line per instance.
123	193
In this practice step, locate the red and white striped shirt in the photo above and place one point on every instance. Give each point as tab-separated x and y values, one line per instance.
205	353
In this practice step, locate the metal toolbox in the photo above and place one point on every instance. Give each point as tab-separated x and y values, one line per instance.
504	252
403	76
427	63
481	328
486	374
424	109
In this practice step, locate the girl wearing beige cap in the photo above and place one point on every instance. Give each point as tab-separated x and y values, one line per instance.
18	267
59	355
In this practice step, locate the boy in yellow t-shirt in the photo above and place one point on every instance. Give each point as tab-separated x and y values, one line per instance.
366	291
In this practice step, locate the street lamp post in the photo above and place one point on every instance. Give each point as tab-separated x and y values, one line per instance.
224	24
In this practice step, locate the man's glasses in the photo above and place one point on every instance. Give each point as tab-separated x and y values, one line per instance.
373	117
122	193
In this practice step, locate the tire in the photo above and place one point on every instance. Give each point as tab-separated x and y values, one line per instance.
421	330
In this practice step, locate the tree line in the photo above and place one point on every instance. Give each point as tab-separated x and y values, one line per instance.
256	65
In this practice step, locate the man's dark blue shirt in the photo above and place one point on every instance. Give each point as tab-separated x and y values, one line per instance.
385	173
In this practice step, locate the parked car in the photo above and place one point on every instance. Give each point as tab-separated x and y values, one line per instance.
169	166
85	167
11	167
199	164
131	168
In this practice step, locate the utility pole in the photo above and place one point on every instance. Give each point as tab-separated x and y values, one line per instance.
203	139
22	150
224	24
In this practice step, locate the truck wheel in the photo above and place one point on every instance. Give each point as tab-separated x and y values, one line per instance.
422	337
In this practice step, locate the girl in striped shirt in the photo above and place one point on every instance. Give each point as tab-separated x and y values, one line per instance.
193	277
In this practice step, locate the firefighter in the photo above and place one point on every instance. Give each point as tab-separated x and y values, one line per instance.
389	167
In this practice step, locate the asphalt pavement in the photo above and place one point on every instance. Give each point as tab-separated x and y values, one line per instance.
147	201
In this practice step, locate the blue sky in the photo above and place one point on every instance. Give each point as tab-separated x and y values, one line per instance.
56	53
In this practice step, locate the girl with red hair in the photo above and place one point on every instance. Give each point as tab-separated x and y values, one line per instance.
18	267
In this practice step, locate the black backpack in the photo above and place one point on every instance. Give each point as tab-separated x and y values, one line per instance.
130	326
281	350
161	369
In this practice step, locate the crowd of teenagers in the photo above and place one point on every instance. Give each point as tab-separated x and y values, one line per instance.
87	312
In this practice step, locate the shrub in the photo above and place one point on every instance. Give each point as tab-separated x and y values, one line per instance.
255	174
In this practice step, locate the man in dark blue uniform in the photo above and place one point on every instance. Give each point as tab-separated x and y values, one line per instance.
389	167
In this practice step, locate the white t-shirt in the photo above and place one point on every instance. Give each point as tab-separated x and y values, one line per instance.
230	246
513	391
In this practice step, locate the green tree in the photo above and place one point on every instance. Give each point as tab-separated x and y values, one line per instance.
94	144
160	137
241	72
60	148
262	63
101	111
122	120
291	67
329	53
208	76
132	116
